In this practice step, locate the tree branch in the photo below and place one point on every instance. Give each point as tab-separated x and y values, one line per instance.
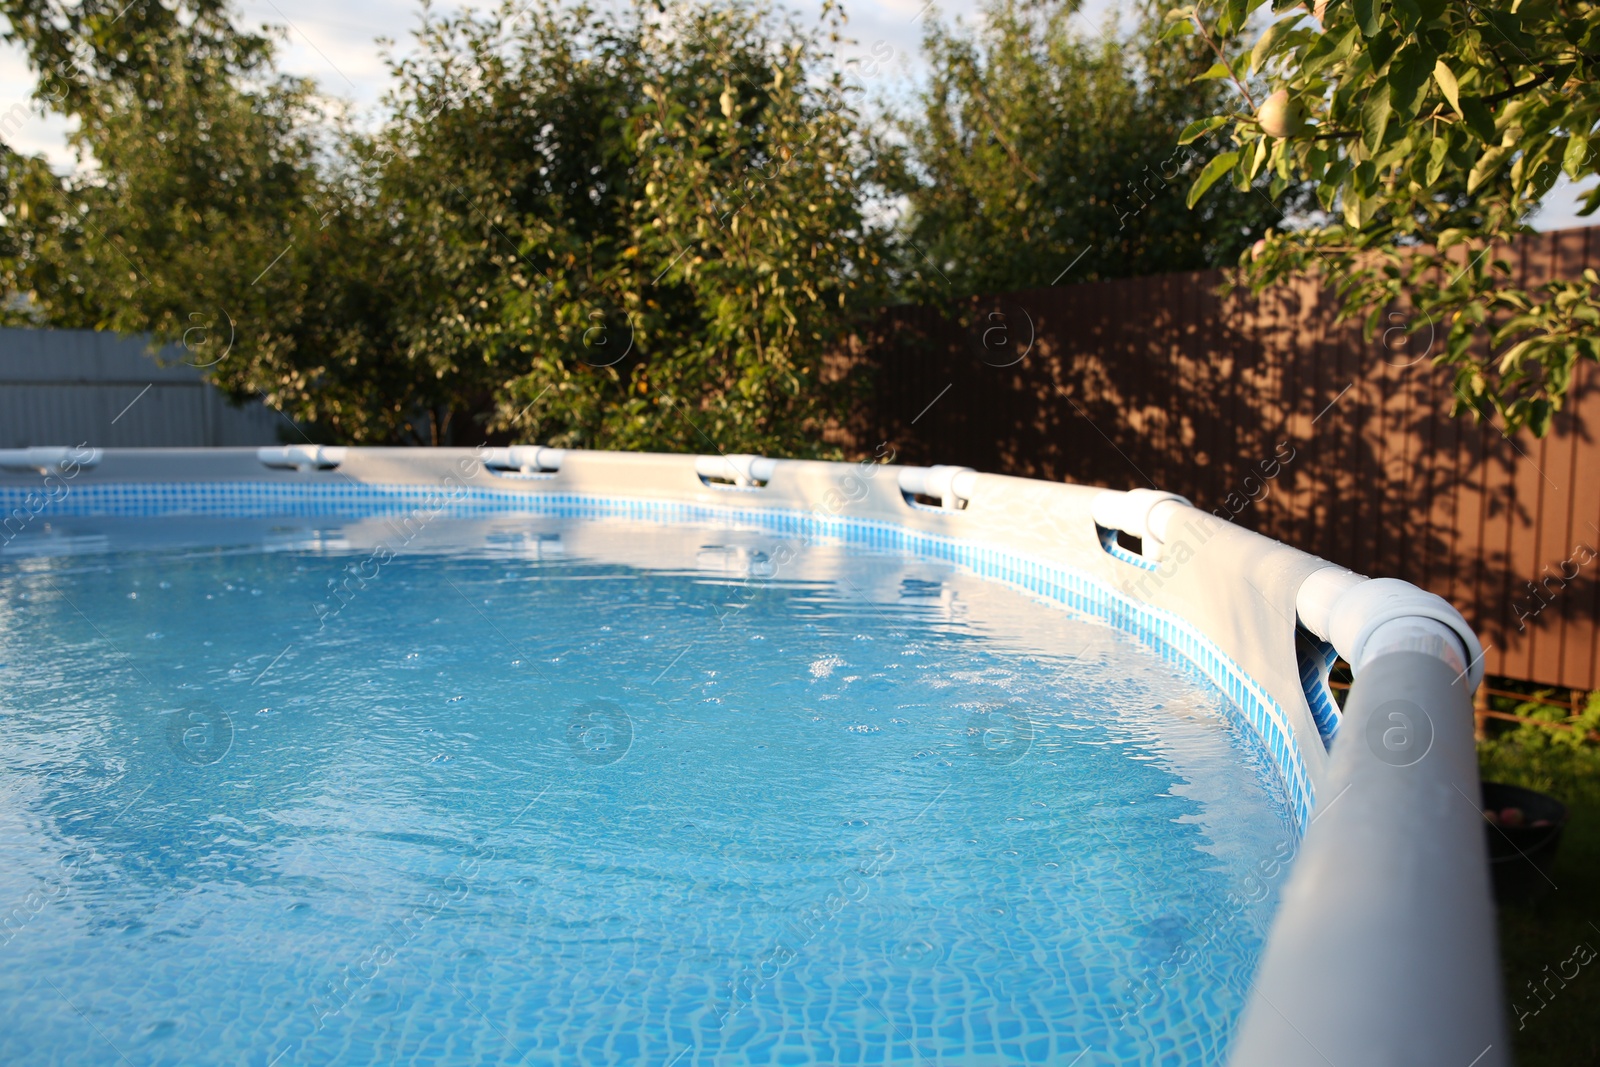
1518	90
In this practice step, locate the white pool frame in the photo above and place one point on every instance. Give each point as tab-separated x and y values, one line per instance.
1383	948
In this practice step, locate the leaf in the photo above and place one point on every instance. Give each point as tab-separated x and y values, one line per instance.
1438	152
1510	27
1329	50
1577	155
1514	355
1365	178
1367	16
1380	48
1200	127
1215	169
1488	165
1234	13
1357	210
1216	70
1374	118
1539	415
1407	75
1479	120
1176	30
1270	41
1448	85
1241	179
1590	202
1259	158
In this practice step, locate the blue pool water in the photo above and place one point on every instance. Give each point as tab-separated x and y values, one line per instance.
551	792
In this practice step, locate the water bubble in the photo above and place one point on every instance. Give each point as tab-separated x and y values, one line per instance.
599	733
824	665
914	950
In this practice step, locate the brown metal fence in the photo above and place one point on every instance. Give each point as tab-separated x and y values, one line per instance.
1268	412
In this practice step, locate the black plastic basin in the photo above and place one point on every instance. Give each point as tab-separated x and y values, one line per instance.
1521	856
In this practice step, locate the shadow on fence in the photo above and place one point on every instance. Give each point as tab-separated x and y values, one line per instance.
1268	412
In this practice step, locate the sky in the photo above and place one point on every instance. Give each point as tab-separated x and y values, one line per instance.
336	43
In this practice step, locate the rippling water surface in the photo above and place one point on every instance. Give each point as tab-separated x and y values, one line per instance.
548	792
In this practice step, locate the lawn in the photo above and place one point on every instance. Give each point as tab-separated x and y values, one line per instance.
1549	947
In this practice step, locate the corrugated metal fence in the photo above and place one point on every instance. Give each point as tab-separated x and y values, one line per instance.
68	387
1268	412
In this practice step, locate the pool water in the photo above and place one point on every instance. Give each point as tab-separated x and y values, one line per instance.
547	791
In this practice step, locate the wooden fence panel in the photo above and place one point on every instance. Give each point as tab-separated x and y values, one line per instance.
1164	382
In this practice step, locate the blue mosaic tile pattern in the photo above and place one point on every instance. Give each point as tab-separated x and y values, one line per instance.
1316	659
1108	541
1173	637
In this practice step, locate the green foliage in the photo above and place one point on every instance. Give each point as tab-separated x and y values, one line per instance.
198	175
742	258
1431	131
1564	729
1546	1030
637	229
1038	143
73	47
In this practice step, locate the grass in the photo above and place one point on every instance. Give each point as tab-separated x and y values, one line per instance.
1552	945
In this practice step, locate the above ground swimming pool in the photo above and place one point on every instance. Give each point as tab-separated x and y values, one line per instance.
519	756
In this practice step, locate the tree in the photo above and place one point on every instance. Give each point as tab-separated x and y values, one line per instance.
195	214
1431	130
642	229
1037	147
743	258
